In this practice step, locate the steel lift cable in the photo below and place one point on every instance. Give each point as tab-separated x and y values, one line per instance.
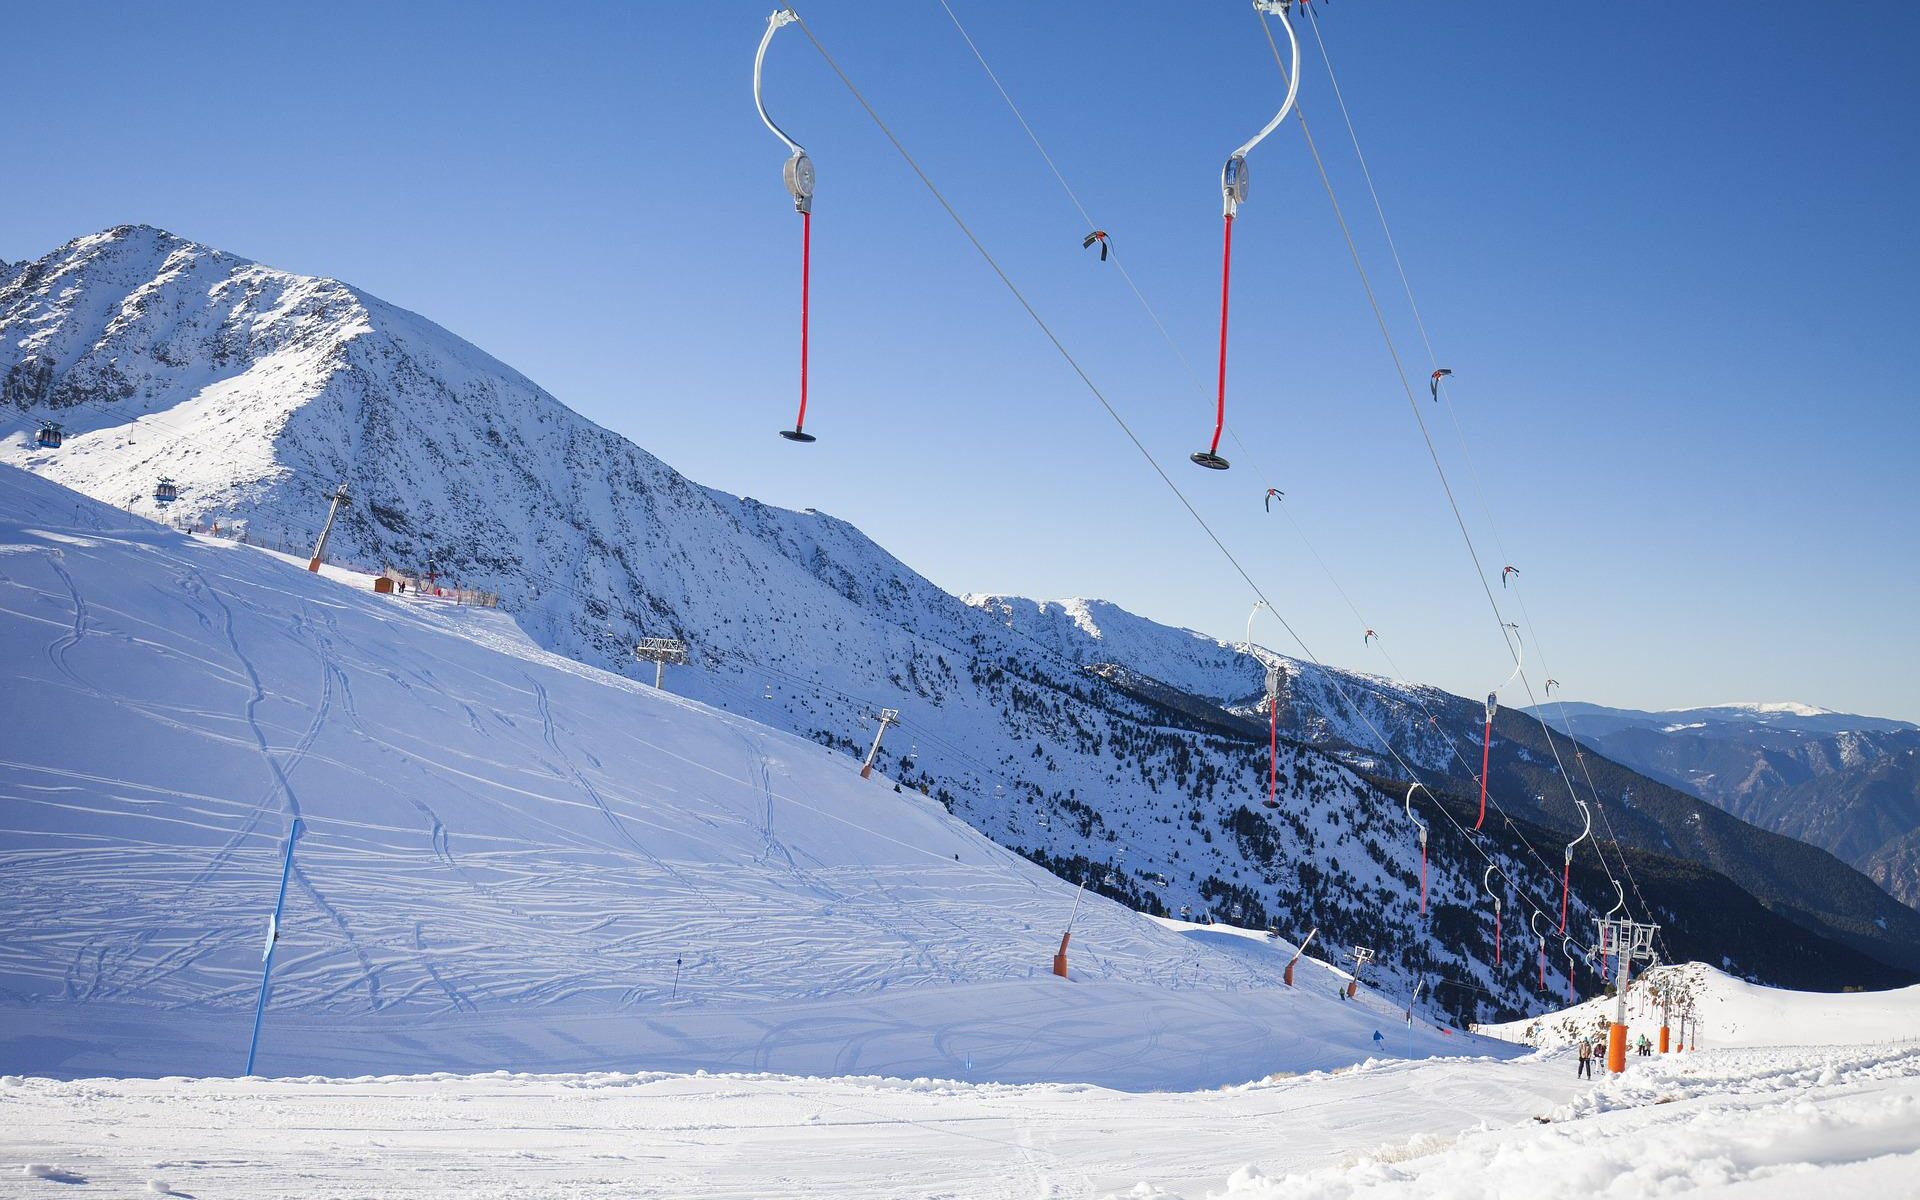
1245	450
1393	352
1439	372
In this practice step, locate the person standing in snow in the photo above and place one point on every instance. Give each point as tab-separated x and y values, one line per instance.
1586	1059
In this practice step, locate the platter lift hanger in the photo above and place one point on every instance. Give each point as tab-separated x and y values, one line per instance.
797	174
1233	193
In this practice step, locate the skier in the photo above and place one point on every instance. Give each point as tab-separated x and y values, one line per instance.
1586	1059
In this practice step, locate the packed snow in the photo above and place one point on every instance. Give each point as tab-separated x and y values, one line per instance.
1776	1123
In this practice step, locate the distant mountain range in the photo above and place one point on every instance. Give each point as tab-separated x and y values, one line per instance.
1439	734
1726	719
1846	783
1101	744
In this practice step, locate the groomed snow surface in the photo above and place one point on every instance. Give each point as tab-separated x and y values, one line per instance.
1748	1123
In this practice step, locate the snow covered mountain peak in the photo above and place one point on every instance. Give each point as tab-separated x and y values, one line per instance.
1784	707
1096	632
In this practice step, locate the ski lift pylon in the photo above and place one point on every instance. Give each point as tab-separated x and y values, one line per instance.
797	174
1360	956
1233	193
1619	903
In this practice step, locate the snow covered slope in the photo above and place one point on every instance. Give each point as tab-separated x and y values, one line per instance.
257	390
1732	1012
513	860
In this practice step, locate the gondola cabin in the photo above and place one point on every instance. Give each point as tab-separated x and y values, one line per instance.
50	436
165	492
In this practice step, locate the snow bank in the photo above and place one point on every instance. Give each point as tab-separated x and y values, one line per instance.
1776	1123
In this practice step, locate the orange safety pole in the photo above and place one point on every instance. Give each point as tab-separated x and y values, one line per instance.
1060	959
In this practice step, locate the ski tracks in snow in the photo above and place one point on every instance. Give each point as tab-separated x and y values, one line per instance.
282	783
57	651
572	770
281	772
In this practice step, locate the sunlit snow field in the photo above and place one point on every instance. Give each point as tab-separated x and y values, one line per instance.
1777	1123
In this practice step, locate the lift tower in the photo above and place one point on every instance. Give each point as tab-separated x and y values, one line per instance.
1629	940
340	500
888	716
660	652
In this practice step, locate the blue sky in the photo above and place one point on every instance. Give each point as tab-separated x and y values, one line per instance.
1670	253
